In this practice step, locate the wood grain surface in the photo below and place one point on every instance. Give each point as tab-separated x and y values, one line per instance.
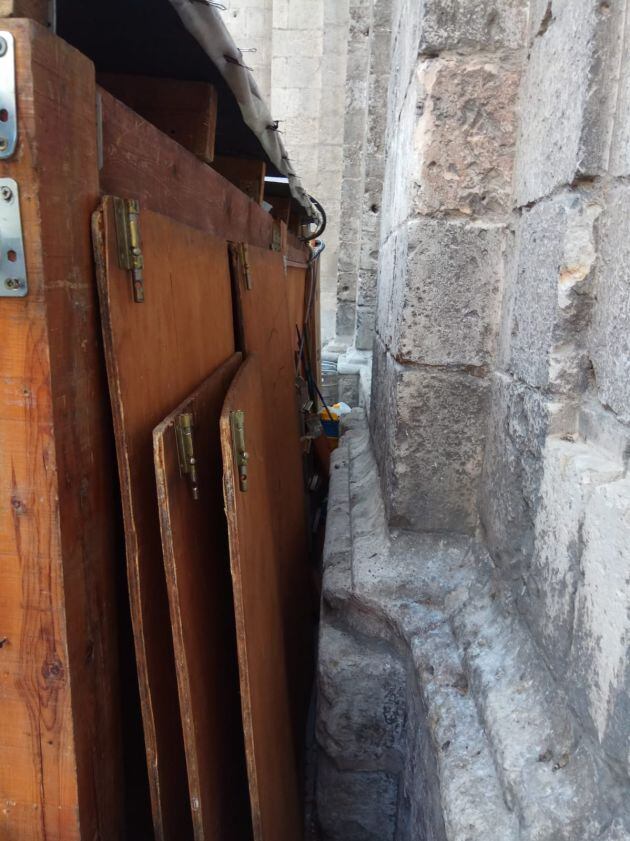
268	332
257	573
197	566
141	162
60	742
157	353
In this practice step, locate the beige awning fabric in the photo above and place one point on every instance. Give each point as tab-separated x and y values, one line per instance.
206	25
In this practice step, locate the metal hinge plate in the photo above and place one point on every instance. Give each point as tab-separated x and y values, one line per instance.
8	111
184	429
130	257
13	279
240	450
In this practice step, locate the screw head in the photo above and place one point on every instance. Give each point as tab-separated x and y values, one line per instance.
13	283
6	193
3	46
4	144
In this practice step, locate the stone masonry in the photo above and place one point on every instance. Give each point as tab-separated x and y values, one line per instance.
473	669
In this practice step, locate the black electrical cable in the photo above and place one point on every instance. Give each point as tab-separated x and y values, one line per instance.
323	221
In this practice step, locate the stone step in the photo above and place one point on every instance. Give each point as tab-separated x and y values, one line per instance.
550	772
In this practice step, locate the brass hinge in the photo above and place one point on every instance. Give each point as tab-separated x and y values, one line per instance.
240	450
127	213
184	428
247	272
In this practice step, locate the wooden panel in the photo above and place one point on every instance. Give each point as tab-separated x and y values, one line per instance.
157	353
196	561
268	333
60	743
140	162
246	174
186	111
296	291
257	573
37	10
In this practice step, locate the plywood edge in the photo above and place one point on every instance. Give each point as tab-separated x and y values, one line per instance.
131	542
181	662
230	481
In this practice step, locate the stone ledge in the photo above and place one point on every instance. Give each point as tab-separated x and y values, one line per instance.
490	745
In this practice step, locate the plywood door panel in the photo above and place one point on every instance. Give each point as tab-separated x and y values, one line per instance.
157	352
257	573
196	561
268	332
60	741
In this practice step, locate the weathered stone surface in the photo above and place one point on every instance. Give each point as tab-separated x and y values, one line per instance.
355	806
448	311
551	293
599	677
571	474
429	443
566	97
512	472
361	703
457	24
464	141
610	334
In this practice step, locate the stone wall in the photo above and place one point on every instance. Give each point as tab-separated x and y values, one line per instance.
446	207
555	498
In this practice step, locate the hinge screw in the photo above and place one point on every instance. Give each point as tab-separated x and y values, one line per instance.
13	283
6	193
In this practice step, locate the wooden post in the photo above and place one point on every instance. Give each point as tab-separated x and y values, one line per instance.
247	174
60	745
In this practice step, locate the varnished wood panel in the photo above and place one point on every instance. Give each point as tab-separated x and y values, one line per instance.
60	743
257	575
197	566
157	352
268	332
141	162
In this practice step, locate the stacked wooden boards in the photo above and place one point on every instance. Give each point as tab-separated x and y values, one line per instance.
60	751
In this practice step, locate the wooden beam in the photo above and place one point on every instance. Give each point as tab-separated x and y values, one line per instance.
246	174
60	740
186	111
37	10
181	186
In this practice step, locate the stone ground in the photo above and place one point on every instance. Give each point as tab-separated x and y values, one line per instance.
437	717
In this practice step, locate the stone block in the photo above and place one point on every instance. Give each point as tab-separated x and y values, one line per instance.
457	24
429	444
567	100
355	806
550	293
609	340
599	677
361	705
447	313
465	138
518	425
571	474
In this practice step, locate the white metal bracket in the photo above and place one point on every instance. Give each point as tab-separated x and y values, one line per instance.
13	279
8	112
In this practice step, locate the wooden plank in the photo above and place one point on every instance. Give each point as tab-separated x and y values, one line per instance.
246	174
157	352
186	111
197	566
37	10
141	162
60	742
268	333
257	573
